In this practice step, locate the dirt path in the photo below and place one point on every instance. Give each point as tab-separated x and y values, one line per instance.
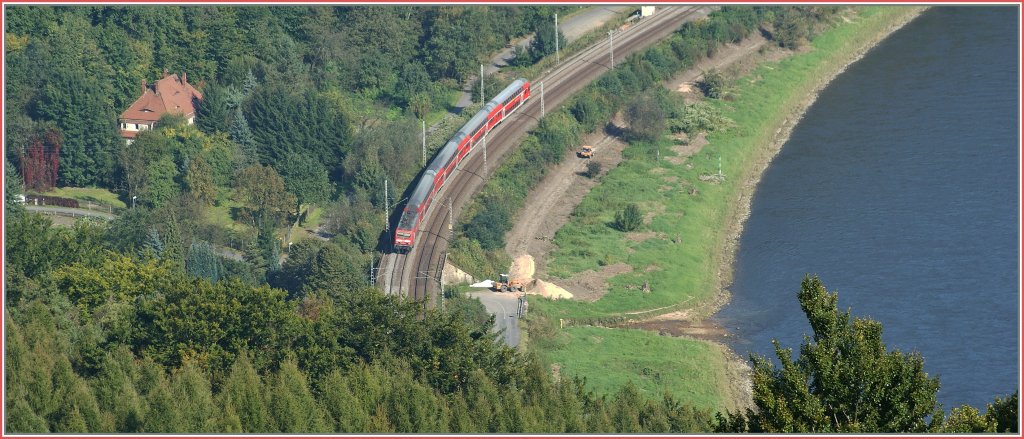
551	202
728	56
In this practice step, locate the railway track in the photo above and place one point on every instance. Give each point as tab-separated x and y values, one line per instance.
416	275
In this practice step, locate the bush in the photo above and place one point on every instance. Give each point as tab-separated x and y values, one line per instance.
712	85
646	117
700	117
593	169
629	219
489	225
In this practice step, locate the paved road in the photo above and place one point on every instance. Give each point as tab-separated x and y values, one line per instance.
221	251
69	211
573	28
504	306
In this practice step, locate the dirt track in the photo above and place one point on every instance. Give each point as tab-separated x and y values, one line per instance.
551	202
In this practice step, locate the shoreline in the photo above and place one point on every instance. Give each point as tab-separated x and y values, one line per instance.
739	393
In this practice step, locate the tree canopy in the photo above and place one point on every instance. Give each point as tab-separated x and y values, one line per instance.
845	380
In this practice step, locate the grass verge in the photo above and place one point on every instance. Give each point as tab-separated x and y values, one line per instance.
690	370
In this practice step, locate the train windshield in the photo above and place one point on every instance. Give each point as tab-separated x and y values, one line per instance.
404	234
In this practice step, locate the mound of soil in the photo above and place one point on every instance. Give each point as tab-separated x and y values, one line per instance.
522	268
550	290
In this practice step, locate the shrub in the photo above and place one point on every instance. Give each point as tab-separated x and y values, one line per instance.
712	85
593	169
629	219
646	117
489	225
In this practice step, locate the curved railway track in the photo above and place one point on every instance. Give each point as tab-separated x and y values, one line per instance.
416	275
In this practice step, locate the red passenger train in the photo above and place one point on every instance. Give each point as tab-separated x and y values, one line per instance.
441	168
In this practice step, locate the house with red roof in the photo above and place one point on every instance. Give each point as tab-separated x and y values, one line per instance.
172	94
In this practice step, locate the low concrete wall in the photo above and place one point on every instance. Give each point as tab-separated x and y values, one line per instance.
453	275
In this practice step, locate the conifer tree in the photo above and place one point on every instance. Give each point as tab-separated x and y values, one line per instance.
116	393
243	392
292	406
192	395
154	245
203	262
241	134
162	414
342	405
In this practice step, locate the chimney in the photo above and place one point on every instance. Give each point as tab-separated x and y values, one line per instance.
143	86
184	80
165	72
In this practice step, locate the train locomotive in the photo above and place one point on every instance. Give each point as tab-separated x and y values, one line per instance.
453	152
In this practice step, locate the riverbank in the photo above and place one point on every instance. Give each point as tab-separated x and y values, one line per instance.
687	257
741	209
740	391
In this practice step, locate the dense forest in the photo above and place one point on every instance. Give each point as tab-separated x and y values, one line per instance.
141	324
326	99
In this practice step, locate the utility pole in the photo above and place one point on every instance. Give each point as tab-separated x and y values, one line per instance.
611	48
557	58
720	175
387	207
440	280
372	280
481	83
542	99
450	215
424	124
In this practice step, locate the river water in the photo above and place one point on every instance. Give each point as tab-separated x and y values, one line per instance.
899	189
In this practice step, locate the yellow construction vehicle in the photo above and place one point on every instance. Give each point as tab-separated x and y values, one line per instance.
585	152
504	284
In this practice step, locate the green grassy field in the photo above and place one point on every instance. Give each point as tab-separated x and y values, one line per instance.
88	194
690	370
314	215
221	215
681	274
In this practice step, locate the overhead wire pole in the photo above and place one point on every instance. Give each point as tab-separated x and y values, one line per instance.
387	208
424	125
611	48
557	57
481	83
542	99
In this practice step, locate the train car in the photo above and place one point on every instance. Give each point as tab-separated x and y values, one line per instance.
405	233
454	151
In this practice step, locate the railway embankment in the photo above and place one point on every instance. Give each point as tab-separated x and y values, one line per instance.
692	227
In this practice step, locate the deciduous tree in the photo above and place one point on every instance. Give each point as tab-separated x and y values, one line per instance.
306	178
263	191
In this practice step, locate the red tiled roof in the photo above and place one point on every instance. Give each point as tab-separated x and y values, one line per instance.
129	134
168	95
